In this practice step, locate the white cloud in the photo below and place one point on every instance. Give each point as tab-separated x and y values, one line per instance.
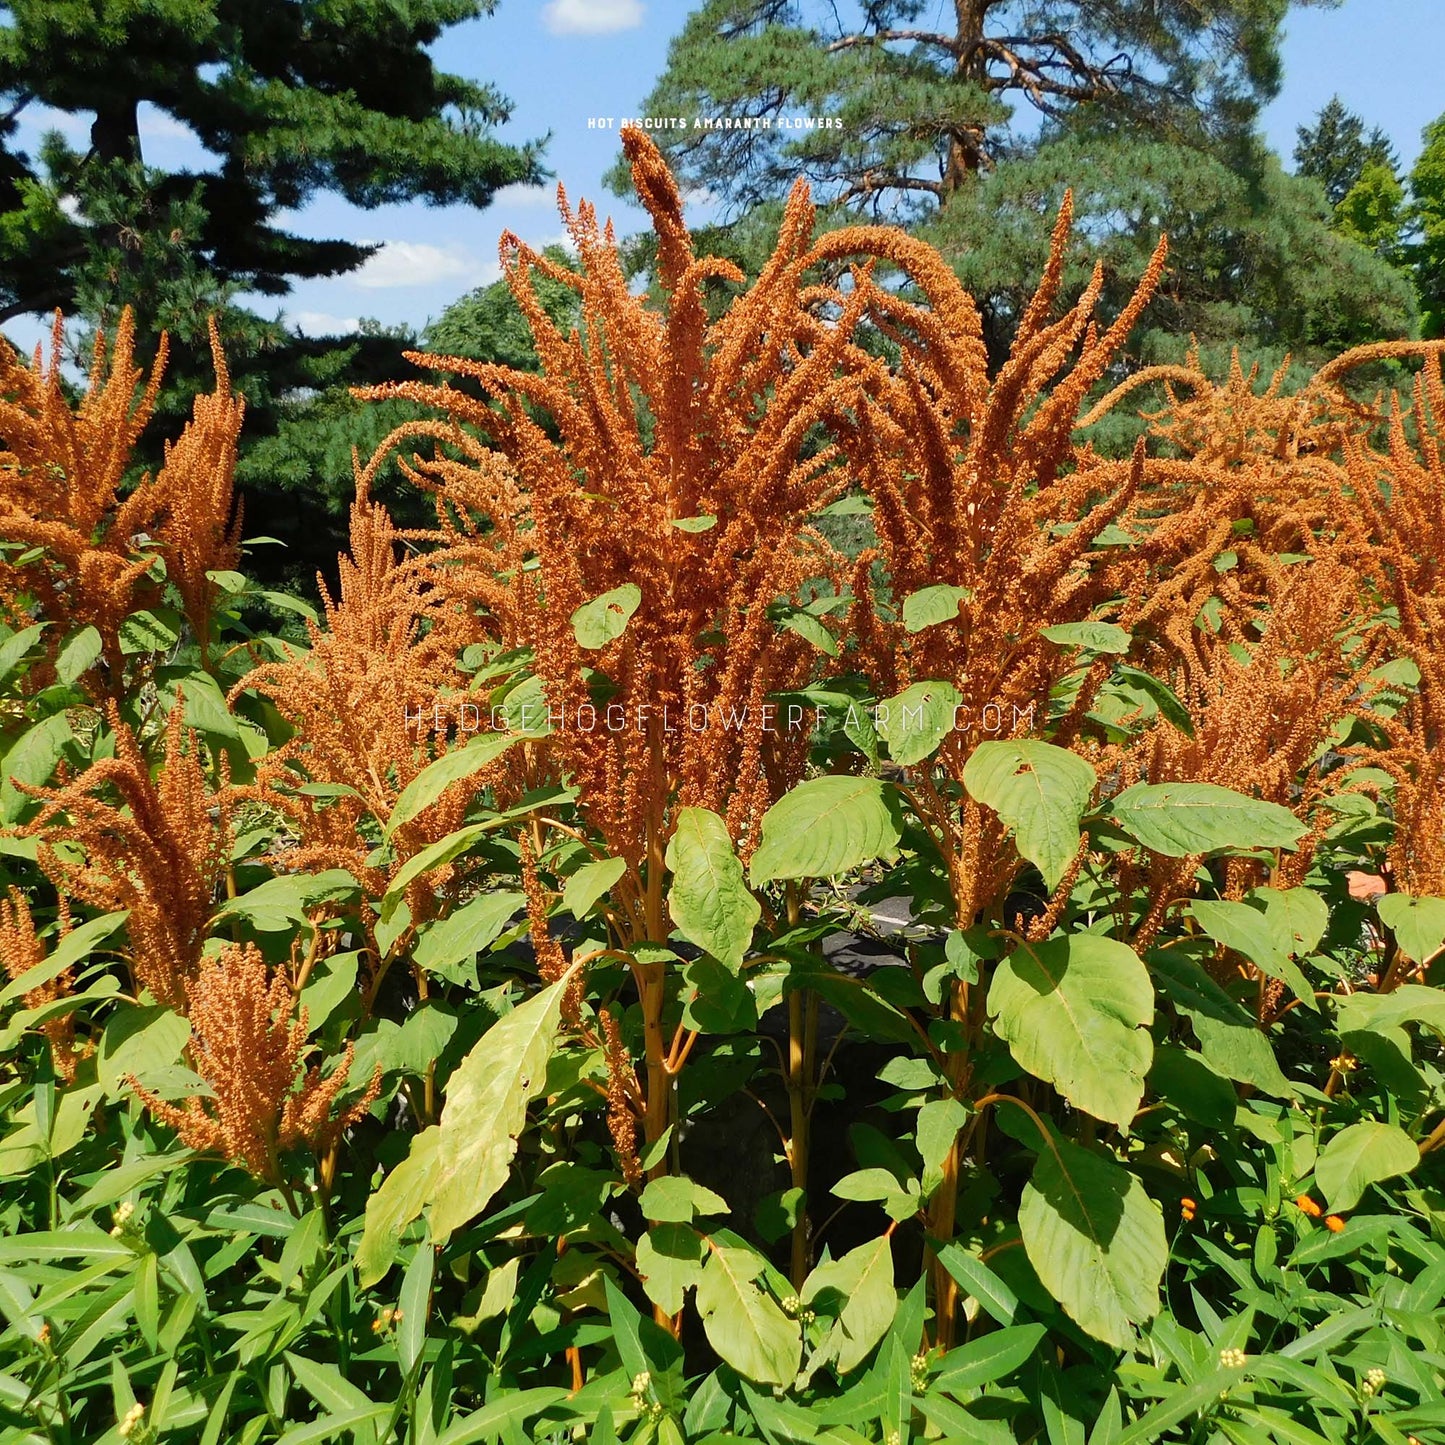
417	263
155	124
323	323
591	17
525	196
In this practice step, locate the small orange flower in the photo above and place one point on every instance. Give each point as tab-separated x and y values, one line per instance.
1187	1208
1306	1205
1334	1223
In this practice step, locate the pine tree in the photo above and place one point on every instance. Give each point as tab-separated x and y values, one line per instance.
1335	150
289	99
969	128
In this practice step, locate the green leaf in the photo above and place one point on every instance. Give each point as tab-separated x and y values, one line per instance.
900	1199
589	883
1038	790
332	982
709	899
980	1282
1095	1239
72	950
693	524
414	1301
1297	917
138	1040
437	777
986	1361
939	1121
435	855
1382	1012
745	1326
914	723
281	904
602	620
402	1197
676	1199
1179	819
1417	923
14	648
1359	1156
206	709
858	1291
1229	1039
1248	931
1091	636
826	826
32	759
464	933
932	605
1074	1011
1160	694
670	1260
808	627
78	655
486	1108
1185	1080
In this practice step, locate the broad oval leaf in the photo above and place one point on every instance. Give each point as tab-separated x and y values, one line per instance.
932	605
858	1291
1091	636
1180	819
1095	1239
589	883
437	777
1074	1011
709	899
138	1040
1359	1156
443	946
826	826
603	620
743	1324
1038	790
1249	931
914	723
1417	923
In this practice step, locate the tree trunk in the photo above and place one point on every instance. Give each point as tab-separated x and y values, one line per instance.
115	133
967	149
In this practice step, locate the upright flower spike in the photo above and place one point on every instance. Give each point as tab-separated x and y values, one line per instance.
156	845
662	451
105	548
247	1044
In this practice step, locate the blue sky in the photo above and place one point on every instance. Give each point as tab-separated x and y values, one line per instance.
567	62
